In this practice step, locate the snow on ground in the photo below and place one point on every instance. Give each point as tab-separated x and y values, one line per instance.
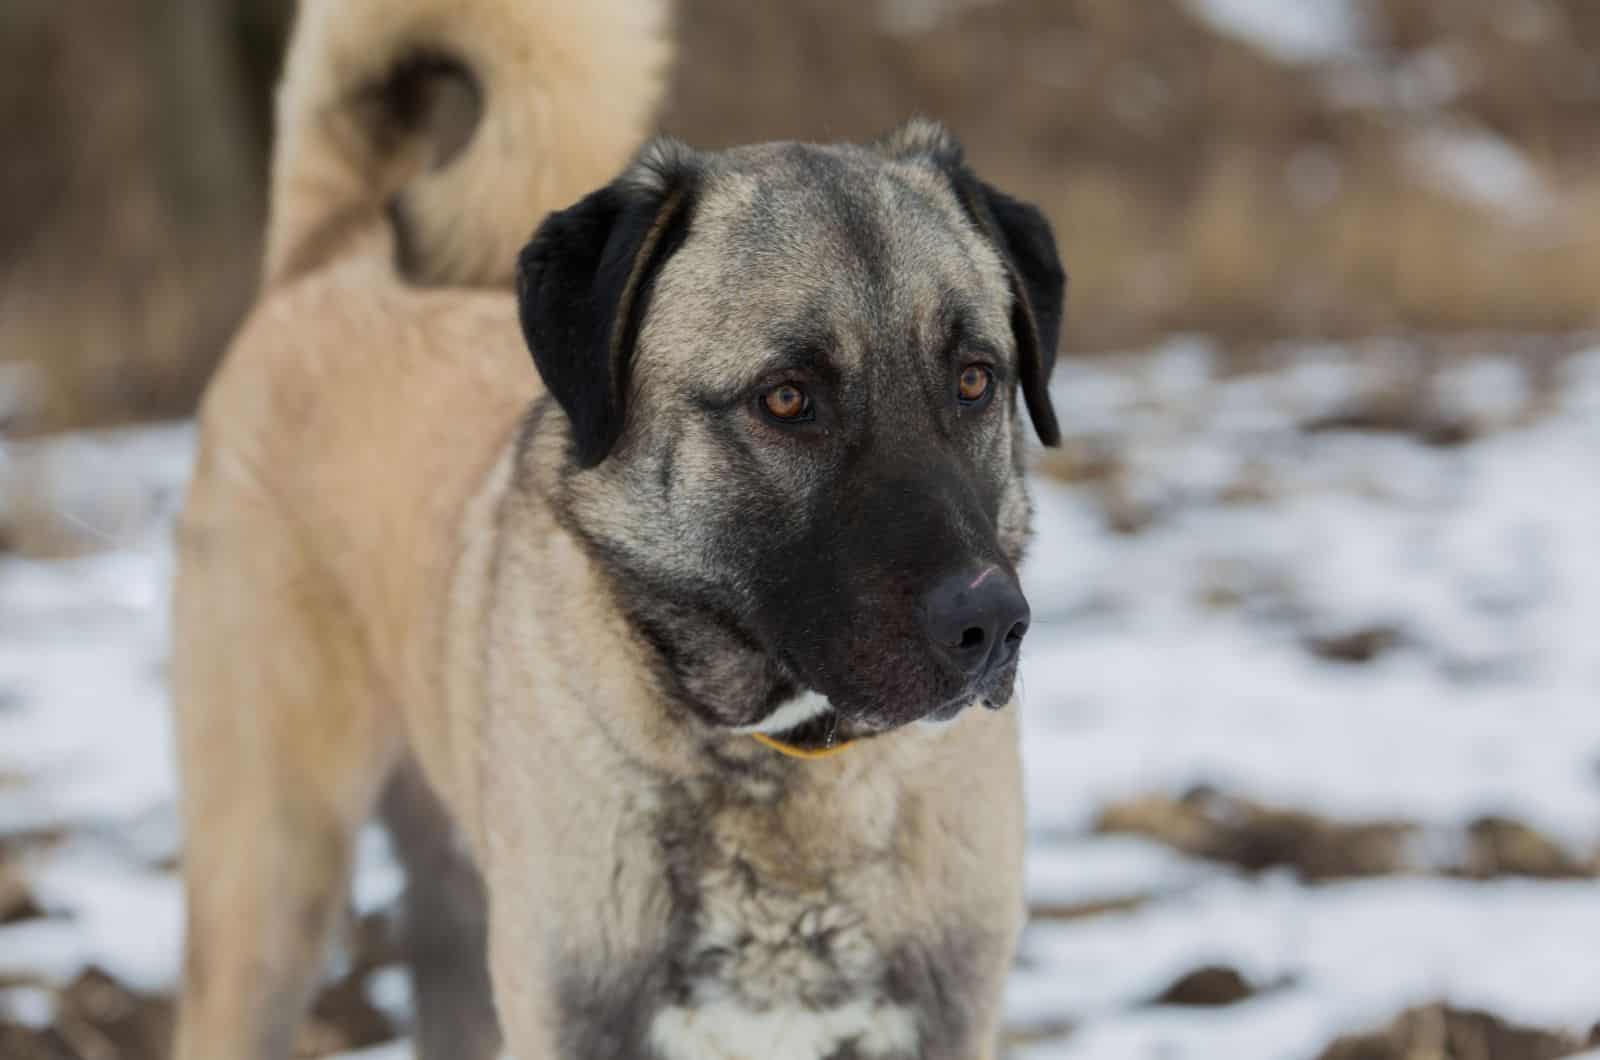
1202	545
1476	165
1176	655
1329	959
1290	30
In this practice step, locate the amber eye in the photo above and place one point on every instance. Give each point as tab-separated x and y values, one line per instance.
975	383
788	403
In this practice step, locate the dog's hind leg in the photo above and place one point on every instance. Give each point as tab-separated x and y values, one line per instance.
446	916
284	746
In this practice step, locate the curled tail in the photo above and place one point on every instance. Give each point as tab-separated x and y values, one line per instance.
444	130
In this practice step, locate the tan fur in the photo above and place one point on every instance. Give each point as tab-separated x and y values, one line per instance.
371	573
568	91
335	589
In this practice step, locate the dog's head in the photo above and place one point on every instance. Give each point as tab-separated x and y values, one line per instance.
794	379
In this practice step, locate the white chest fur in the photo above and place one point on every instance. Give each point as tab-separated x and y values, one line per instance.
727	1030
781	972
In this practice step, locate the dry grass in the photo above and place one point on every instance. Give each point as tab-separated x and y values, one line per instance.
129	209
1196	183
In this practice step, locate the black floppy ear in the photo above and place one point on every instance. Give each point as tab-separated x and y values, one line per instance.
1022	235
584	284
1039	294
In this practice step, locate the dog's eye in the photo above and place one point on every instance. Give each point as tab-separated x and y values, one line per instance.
975	383
787	403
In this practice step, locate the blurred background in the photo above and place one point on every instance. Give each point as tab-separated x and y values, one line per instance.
1313	703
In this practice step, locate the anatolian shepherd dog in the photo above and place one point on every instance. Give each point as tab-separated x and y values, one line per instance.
679	667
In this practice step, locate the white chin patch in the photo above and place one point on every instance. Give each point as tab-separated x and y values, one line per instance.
791	712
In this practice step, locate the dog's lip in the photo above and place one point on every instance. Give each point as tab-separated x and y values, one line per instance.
823	735
948	712
857	720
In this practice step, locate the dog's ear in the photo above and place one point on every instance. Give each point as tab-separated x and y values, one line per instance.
1039	284
584	284
1022	235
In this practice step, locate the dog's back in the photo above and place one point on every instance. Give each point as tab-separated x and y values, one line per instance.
419	143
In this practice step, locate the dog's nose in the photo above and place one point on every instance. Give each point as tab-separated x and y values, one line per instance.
977	619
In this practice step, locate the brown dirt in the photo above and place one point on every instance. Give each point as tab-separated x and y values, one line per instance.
1254	837
1354	646
100	1019
1086	910
97	1019
1249	835
1210	987
1498	846
342	1019
16	900
1034	1034
1440	1032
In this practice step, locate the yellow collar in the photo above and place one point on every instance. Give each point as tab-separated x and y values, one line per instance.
800	752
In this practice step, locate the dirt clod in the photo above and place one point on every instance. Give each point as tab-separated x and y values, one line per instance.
1207	824
1440	1032
1210	987
97	1018
1354	646
16	900
343	1019
1499	846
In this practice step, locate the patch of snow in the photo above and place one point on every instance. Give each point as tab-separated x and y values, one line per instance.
1490	391
1333	959
1479	557
91	491
395	1050
389	990
1477	166
81	658
1159	659
907	17
28	1006
1292	31
1107	868
125	920
47	949
379	878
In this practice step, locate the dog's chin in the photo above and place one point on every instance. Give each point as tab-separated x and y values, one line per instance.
889	713
945	715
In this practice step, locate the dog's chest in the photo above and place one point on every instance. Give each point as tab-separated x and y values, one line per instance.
780	962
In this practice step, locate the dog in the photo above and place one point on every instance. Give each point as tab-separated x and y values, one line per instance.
679	660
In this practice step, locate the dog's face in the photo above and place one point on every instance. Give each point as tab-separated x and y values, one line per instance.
794	378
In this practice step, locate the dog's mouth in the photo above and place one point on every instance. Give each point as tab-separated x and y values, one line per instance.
827	733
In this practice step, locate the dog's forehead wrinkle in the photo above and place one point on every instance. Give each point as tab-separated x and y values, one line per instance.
787	232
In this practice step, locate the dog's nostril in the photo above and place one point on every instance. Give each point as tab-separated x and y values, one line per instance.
976	623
